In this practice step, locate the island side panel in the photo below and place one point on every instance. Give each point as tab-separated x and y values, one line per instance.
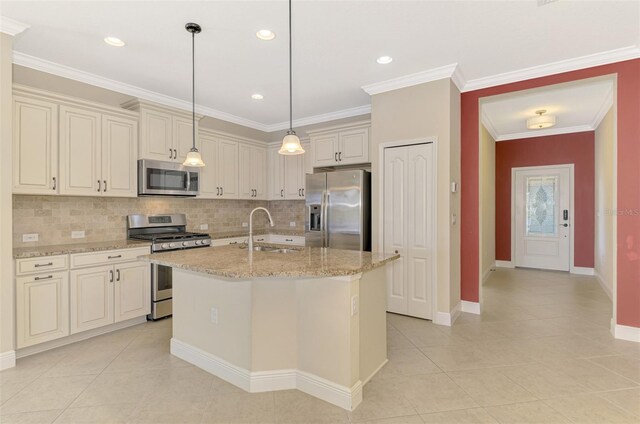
373	322
193	297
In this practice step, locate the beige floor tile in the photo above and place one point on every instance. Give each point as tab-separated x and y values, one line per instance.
457	357
428	337
115	388
397	340
490	387
587	409
465	416
409	419
383	399
526	413
626	365
542	381
112	414
40	417
407	362
90	362
231	408
169	412
293	406
402	322
628	399
591	376
184	383
435	393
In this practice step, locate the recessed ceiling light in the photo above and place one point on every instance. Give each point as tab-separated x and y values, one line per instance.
266	34
257	96
383	60
114	41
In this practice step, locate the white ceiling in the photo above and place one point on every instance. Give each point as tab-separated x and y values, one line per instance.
576	106
335	46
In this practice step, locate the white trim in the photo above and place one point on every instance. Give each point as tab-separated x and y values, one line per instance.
265	381
505	264
317	119
543	133
7	360
448	318
410	80
604	108
624	332
602	58
603	284
365	123
580	270
470	307
488	125
11	26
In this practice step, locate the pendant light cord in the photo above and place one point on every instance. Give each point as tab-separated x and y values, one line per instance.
193	86
290	76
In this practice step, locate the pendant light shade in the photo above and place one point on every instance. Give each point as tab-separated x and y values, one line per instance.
541	121
194	158
290	143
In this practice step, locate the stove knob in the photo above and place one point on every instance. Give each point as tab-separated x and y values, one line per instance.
197	242
185	243
172	245
165	245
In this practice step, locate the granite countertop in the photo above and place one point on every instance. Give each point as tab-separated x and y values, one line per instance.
215	235
63	249
234	262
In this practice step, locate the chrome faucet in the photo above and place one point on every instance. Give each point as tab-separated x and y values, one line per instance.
251	225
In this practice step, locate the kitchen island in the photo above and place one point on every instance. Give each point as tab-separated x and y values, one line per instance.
312	319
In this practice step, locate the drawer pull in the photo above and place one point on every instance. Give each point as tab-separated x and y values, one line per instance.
288	239
44	278
47	264
233	242
114	257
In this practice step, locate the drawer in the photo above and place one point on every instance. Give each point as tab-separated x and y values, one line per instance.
106	257
228	241
41	264
293	240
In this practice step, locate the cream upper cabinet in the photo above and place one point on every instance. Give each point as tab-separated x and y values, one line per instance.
91	298
156	137
346	145
119	156
35	146
80	151
294	177
228	160
132	294
219	176
42	308
253	172
276	174
209	186
183	137
287	173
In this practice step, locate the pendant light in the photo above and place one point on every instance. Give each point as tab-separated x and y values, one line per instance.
193	157
290	142
541	121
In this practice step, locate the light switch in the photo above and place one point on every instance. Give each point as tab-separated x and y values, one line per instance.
454	219
77	234
30	237
204	226
292	224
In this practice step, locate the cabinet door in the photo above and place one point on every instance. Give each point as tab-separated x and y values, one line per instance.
245	189
294	169
91	298
80	152
132	290
209	187
119	156
276	174
325	149
35	146
155	135
354	147
42	308
183	137
228	168
259	172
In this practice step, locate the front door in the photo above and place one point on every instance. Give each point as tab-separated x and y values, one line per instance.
542	197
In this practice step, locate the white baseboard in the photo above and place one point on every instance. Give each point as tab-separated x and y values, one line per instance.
32	350
505	264
624	332
447	318
263	381
7	360
580	270
603	284
470	307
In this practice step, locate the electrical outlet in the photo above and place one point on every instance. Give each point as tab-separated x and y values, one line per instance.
354	306
30	237
454	219
204	226
292	224
214	315
77	234
244	224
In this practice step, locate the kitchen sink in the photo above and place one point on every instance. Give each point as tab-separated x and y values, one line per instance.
274	249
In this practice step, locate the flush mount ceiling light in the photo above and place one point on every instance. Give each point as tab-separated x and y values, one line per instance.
114	41
193	157
266	34
383	60
541	121
290	142
257	96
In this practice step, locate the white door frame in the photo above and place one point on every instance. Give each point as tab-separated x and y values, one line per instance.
411	142
570	166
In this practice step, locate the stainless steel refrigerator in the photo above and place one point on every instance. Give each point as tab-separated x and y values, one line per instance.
339	210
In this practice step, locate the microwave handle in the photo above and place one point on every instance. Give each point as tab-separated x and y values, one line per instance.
188	181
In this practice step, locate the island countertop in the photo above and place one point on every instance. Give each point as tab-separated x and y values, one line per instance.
234	262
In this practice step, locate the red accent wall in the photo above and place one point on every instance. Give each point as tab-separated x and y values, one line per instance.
628	191
575	148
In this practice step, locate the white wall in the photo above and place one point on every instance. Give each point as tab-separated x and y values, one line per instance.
605	245
487	202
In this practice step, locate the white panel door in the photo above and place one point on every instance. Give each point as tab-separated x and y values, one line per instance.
354	147
35	146
91	298
409	199
182	137
42	308
156	138
80	152
132	290
325	150
542	217
209	187
228	173
119	156
276	174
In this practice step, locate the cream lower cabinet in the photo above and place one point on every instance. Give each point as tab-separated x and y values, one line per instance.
42	308
132	291
92	294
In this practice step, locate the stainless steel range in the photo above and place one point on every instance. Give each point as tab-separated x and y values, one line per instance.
165	232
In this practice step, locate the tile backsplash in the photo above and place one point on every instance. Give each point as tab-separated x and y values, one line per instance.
55	217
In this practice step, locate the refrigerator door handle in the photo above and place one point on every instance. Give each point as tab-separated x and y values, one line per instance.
325	218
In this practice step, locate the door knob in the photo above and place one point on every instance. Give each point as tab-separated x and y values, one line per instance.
564	225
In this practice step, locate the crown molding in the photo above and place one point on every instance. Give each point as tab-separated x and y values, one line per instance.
545	132
488	124
604	108
325	117
589	61
414	79
11	26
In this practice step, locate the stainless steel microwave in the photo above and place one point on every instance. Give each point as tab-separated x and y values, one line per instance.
160	178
